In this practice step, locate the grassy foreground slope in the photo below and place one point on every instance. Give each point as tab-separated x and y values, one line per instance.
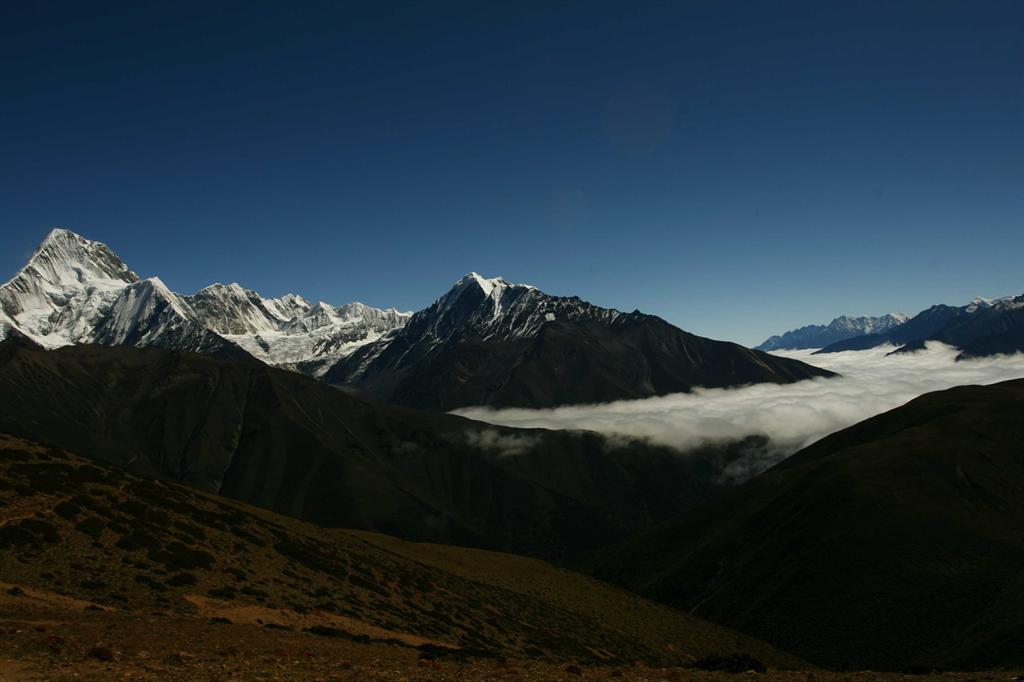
84	535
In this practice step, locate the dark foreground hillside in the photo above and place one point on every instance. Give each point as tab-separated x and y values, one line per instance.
104	567
299	447
897	543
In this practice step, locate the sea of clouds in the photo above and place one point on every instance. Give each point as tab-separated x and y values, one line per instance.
790	416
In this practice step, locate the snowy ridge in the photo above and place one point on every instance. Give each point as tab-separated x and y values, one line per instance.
288	331
287	307
1005	303
321	335
839	329
73	290
495	308
475	307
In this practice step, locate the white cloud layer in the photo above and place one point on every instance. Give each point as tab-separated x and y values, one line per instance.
791	416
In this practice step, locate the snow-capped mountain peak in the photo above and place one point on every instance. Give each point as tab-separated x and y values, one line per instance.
472	291
231	309
839	329
487	285
74	290
866	324
130	316
67	259
287	307
1002	303
63	290
476	307
489	342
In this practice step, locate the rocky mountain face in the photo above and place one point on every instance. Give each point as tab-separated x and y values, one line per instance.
65	289
894	544
490	342
289	331
77	291
297	446
982	327
840	329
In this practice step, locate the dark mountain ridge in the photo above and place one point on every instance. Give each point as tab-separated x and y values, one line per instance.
297	446
489	342
896	543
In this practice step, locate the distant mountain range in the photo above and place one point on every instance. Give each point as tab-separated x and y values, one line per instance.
485	342
75	291
491	342
840	329
894	544
982	327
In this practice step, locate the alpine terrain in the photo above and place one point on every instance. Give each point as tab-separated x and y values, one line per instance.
840	329
490	342
77	291
982	327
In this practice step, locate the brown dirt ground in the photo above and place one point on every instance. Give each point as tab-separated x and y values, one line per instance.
44	636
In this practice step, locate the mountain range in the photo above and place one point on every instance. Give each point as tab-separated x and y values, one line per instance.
490	342
77	291
164	458
484	342
980	328
840	329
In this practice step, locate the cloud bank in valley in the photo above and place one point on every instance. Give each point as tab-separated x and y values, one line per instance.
791	416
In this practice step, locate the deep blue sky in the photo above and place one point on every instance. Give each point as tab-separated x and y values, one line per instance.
738	168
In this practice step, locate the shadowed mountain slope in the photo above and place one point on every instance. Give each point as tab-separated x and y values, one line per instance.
297	446
896	542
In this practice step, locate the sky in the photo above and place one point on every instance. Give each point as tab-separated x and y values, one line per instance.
737	168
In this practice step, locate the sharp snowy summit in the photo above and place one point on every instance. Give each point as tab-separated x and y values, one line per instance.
75	291
491	342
